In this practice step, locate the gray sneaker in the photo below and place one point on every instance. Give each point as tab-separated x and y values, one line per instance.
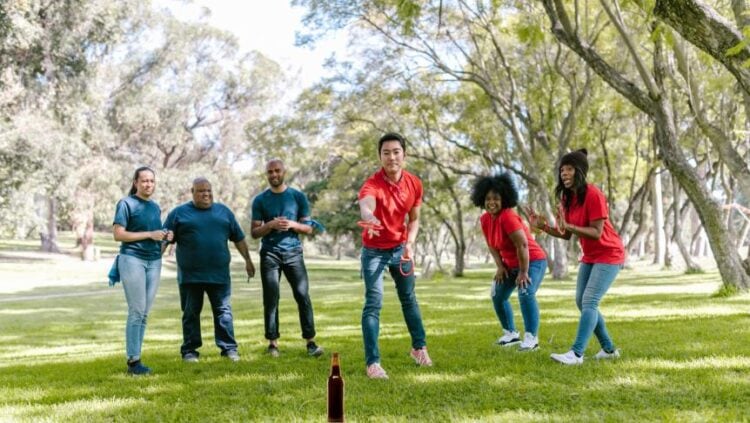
273	351
313	350
232	355
190	357
603	355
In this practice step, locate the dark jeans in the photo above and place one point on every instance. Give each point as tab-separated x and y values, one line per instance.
292	263
191	300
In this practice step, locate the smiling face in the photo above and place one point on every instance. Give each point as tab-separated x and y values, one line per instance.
202	195
493	203
275	173
145	184
567	175
392	157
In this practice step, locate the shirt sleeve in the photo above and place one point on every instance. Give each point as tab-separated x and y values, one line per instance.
122	214
510	222
235	231
596	204
418	192
368	189
304	205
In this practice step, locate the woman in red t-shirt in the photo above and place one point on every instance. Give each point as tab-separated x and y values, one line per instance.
584	213
519	259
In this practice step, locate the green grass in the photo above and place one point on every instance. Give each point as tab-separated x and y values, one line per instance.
685	355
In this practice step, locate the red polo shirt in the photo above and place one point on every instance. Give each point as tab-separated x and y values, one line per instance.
608	248
393	201
497	230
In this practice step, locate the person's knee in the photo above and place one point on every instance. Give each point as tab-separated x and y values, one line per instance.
408	299
301	293
225	316
526	296
373	303
137	312
588	303
502	294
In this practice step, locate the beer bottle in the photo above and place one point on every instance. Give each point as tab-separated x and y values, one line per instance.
335	391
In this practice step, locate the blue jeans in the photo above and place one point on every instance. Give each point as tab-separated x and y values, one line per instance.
292	264
593	282
374	262
191	300
526	297
140	280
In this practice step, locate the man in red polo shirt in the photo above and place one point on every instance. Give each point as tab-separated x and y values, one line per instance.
385	201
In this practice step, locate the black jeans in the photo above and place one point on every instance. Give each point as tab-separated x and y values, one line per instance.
191	300
292	263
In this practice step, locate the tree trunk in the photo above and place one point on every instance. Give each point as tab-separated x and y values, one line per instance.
560	259
722	243
690	265
49	238
743	234
657	213
88	251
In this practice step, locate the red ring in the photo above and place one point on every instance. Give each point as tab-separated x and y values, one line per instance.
401	266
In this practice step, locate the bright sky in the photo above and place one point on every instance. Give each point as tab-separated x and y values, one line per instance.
268	26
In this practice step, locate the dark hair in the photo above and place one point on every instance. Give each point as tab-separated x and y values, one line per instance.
501	184
391	136
136	175
579	161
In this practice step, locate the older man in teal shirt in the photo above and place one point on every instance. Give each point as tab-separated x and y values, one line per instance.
201	231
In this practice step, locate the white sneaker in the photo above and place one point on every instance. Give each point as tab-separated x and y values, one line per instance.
374	371
570	358
603	355
509	338
530	342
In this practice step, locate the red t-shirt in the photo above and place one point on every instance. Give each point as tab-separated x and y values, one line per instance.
497	230
393	202
608	248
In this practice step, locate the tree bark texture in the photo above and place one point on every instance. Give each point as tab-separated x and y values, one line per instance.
709	31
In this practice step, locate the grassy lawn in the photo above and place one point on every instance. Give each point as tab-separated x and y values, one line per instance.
685	354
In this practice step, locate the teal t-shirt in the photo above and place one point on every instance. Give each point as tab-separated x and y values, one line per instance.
201	236
138	215
268	205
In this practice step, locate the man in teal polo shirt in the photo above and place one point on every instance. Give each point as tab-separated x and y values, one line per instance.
201	231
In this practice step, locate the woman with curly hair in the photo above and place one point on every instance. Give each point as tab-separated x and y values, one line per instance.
520	261
584	213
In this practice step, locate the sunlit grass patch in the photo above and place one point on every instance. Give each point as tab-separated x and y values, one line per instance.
710	362
72	410
62	355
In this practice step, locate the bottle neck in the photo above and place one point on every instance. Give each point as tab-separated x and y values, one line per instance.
335	368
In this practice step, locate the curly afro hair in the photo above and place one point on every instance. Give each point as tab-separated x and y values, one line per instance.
501	184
